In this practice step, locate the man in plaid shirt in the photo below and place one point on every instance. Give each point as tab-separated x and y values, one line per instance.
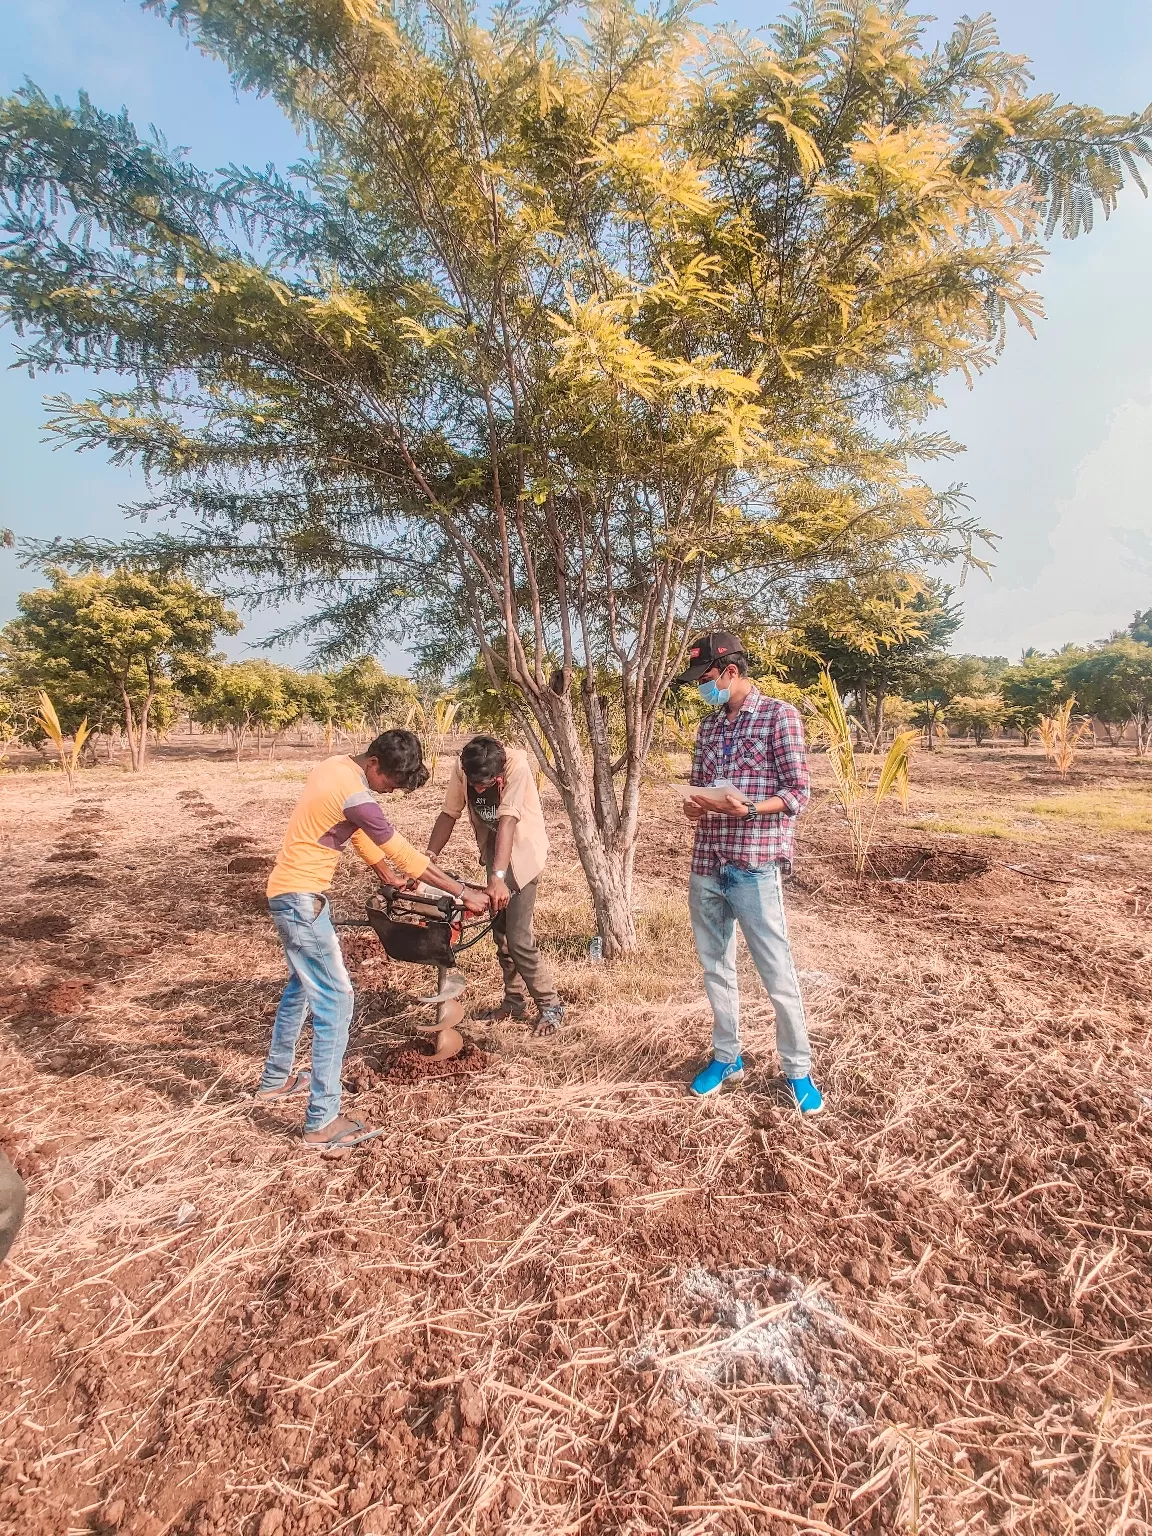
750	757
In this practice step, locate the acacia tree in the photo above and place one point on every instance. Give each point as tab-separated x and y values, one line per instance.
872	636
977	715
937	682
107	643
1035	688
1114	683
250	696
571	329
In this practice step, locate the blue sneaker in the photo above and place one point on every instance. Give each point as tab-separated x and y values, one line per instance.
805	1095
715	1075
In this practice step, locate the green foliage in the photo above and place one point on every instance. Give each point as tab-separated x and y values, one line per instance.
1034	688
570	329
1114	683
1140	628
247	697
365	698
111	647
940	679
873	636
976	715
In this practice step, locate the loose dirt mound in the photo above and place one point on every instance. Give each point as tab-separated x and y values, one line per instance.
63	882
232	844
42	925
73	856
66	997
249	864
414	1064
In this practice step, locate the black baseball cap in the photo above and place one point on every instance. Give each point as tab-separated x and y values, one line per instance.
715	649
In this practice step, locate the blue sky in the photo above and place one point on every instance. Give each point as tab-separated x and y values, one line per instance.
1059	434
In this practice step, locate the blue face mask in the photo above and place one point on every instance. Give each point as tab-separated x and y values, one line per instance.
711	694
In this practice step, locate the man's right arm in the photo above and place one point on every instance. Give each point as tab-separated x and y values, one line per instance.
455	799
442	830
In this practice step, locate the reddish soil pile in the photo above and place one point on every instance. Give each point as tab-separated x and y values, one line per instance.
248	864
414	1064
66	997
232	844
73	856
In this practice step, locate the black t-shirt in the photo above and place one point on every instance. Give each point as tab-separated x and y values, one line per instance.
485	807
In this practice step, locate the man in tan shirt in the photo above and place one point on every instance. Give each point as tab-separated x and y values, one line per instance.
498	787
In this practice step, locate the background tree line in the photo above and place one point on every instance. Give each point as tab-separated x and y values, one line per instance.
134	653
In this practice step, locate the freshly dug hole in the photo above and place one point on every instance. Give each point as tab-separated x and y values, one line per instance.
938	866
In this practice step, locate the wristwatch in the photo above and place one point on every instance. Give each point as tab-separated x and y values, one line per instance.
498	874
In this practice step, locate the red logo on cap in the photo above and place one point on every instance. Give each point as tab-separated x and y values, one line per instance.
695	651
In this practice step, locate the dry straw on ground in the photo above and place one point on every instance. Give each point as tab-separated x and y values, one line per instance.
557	1296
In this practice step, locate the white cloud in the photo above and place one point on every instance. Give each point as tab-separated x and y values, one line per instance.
1099	569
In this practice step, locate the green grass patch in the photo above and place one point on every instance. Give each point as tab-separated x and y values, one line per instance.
1107	810
985	827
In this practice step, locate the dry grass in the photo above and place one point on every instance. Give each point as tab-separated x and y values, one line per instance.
558	1296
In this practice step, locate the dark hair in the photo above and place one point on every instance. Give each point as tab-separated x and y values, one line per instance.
737	660
483	758
399	756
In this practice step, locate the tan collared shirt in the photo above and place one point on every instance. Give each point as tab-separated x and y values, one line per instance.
521	800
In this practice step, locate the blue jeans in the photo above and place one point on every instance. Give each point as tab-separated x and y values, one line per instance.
318	983
754	898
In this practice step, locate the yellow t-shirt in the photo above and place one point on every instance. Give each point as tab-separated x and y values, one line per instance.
336	808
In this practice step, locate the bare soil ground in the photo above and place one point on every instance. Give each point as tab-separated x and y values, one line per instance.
557	1296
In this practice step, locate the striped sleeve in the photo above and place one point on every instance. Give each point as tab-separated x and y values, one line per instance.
792	784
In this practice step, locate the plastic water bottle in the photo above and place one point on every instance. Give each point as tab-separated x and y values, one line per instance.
596	950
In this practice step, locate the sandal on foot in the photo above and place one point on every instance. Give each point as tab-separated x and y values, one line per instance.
295	1084
344	1141
549	1021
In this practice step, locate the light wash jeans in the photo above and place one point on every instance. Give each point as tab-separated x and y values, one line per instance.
754	898
319	983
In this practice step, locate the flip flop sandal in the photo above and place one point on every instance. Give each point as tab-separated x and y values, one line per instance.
297	1083
355	1136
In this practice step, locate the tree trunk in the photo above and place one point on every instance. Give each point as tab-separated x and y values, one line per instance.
1143	723
130	732
608	870
144	713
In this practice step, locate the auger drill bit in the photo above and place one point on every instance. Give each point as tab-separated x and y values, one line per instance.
449	1040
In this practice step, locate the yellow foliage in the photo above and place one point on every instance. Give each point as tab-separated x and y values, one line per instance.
49	723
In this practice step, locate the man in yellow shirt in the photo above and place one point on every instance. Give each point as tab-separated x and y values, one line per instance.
336	808
498	788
